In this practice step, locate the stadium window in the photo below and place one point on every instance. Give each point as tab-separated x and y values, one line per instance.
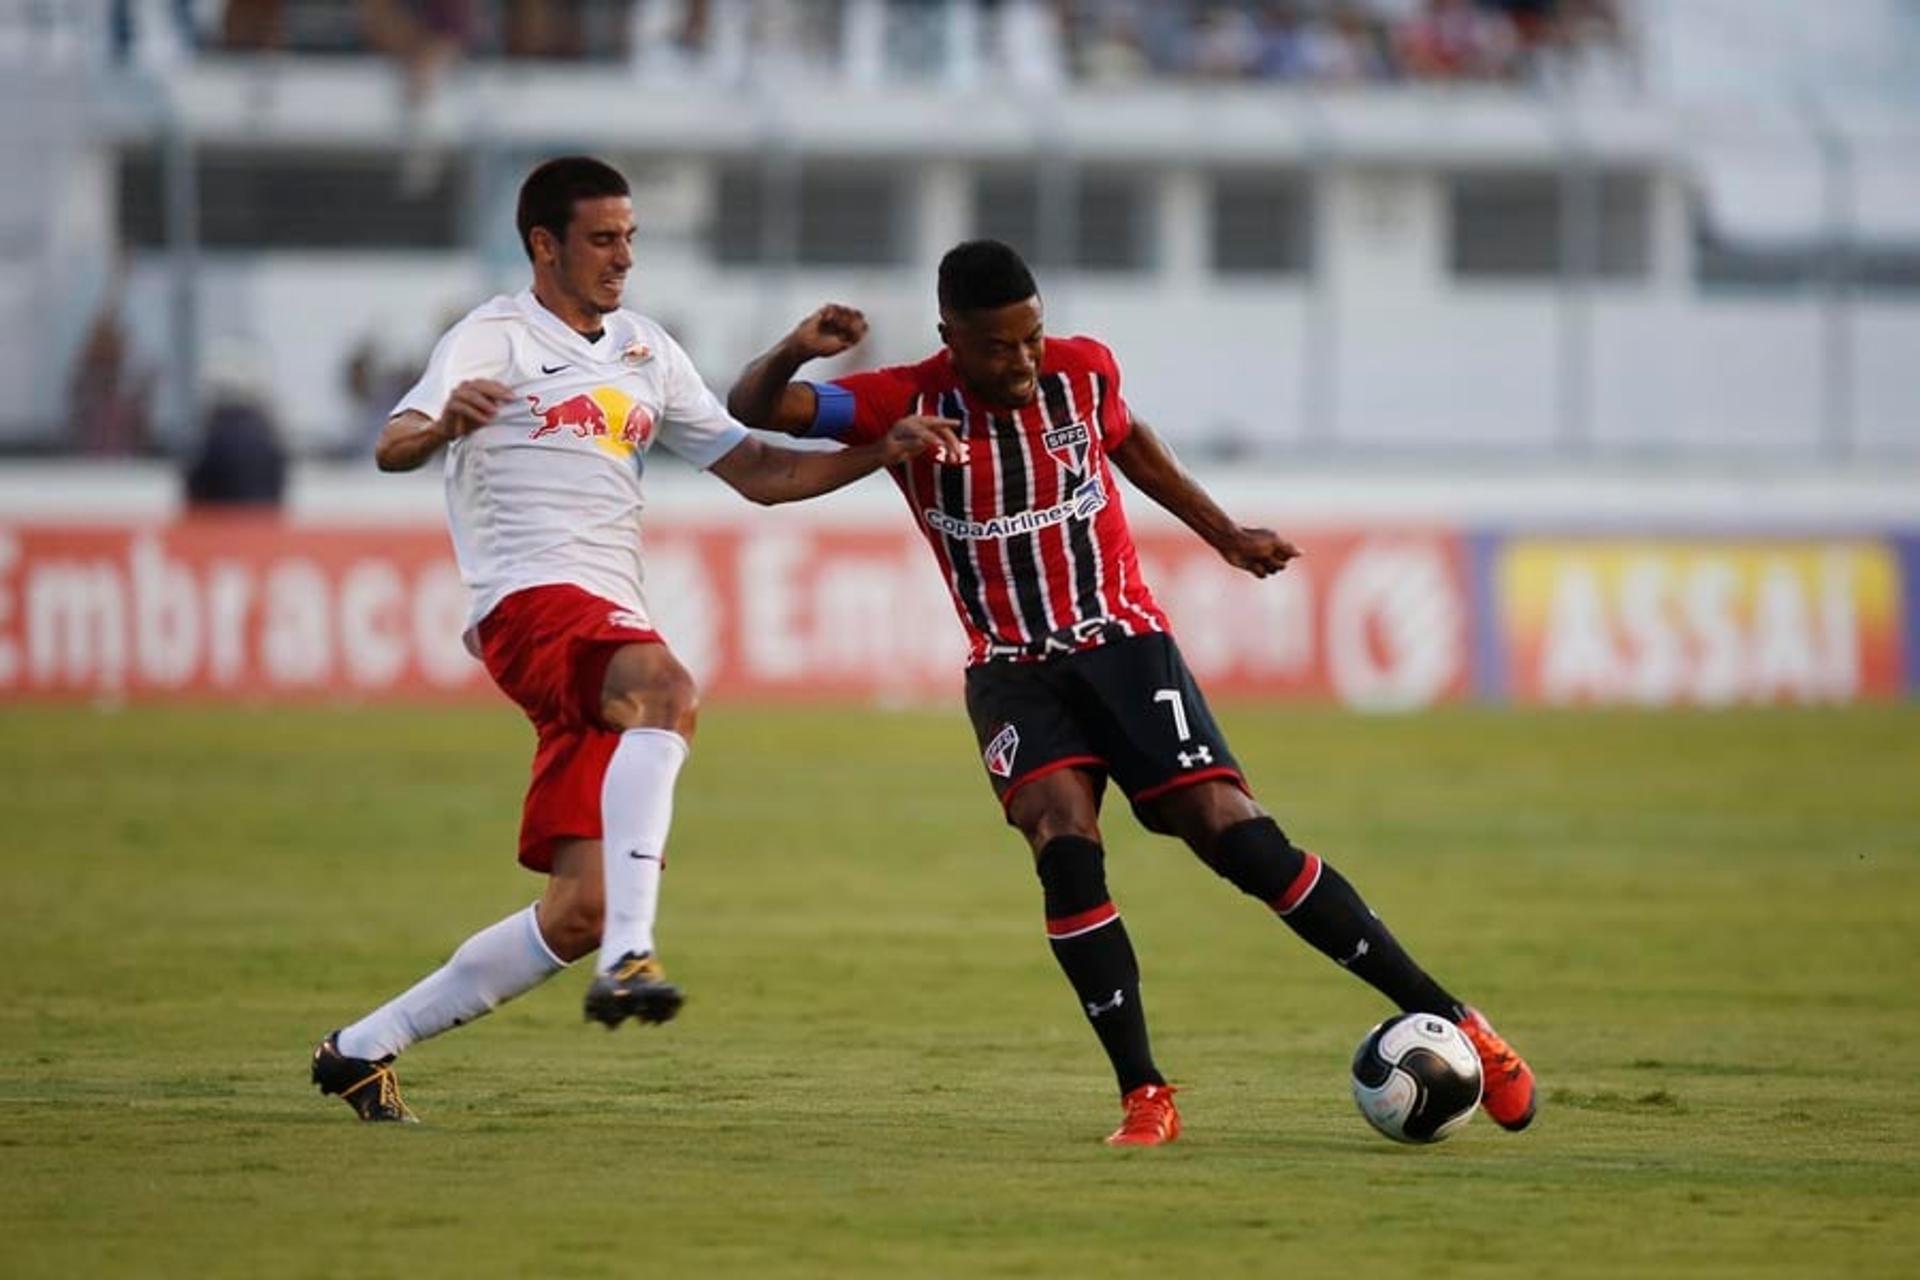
1006	207
738	209
1262	224
851	217
1107	226
846	216
1726	262
1510	225
263	200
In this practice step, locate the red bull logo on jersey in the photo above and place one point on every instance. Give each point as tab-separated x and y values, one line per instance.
637	430
592	415
1069	446
581	415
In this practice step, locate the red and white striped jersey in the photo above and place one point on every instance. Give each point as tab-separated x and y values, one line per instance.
1030	531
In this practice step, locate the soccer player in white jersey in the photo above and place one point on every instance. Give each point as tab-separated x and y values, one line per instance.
547	403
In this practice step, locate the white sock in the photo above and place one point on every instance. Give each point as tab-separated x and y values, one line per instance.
490	968
636	808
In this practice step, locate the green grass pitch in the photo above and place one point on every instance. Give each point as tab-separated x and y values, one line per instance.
1704	930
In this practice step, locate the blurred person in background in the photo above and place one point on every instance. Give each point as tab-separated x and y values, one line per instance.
1226	44
253	25
546	403
240	460
1110	51
426	36
1347	44
109	396
1073	675
1455	40
670	38
373	383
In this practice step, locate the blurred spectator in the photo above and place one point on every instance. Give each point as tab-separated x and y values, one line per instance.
1032	41
253	25
1283	46
109	399
1112	52
1226	44
551	29
1347	45
1340	41
375	384
1589	43
1454	40
670	37
1030	37
241	460
425	35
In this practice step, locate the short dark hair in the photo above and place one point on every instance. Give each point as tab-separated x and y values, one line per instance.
548	194
979	275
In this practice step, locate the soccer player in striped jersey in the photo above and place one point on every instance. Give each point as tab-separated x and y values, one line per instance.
1073	676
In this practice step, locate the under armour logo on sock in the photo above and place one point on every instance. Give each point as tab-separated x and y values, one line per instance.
1096	1008
1202	754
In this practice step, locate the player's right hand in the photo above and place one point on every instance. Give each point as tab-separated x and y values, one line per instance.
473	404
920	434
829	331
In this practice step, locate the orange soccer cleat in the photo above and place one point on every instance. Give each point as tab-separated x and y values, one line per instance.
1151	1119
1506	1079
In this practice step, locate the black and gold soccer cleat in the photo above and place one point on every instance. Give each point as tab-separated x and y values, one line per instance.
370	1088
636	987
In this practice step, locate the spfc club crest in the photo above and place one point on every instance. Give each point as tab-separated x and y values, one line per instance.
1069	446
999	754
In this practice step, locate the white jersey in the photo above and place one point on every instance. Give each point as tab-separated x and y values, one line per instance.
549	491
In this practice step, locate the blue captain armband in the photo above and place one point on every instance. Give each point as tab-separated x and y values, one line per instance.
832	410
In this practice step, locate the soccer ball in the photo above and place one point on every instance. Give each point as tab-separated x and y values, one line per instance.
1416	1078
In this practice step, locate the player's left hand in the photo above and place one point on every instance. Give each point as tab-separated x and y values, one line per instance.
1259	551
920	434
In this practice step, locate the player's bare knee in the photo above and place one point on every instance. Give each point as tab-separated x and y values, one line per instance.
1197	815
1043	826
660	694
572	927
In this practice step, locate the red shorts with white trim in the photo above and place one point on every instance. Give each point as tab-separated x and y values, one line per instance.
548	648
1129	709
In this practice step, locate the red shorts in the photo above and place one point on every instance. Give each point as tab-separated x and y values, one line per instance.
548	648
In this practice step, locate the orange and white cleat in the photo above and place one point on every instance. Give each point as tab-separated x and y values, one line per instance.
1151	1120
1506	1079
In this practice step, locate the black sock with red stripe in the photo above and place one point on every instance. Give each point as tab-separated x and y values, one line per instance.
1318	904
1091	944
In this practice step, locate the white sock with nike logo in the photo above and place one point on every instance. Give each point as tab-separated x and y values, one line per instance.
490	968
636	808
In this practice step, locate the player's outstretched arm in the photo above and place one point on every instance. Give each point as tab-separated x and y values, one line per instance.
410	438
765	394
1144	458
768	474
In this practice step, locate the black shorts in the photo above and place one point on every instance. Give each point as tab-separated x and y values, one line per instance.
1128	709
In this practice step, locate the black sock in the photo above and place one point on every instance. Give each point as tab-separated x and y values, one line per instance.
1318	904
1093	949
